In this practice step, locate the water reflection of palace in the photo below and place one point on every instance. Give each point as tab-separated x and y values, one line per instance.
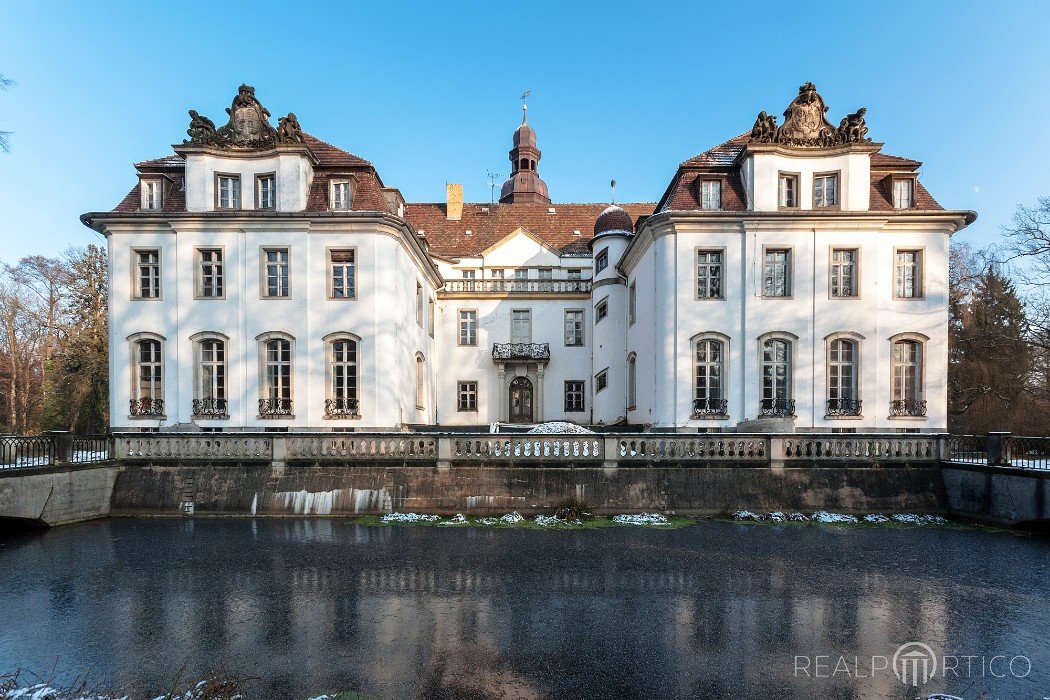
309	606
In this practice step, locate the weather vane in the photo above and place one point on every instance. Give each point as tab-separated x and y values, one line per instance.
493	177
524	107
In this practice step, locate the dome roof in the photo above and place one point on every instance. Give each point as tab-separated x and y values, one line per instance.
525	135
614	220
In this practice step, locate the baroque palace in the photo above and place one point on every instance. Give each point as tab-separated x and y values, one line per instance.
791	278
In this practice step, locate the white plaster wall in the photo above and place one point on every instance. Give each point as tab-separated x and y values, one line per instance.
610	334
293	175
760	173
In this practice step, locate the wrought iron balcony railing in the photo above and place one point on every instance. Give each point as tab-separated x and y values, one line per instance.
341	408
275	408
843	407
709	407
518	286
210	407
777	407
521	351
907	407
147	406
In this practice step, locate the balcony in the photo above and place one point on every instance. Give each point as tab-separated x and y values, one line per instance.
710	408
843	407
275	408
779	408
517	286
531	352
908	407
341	408
210	407
147	406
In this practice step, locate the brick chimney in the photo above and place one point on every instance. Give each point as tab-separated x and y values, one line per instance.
454	201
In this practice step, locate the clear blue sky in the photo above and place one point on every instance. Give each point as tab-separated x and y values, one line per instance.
428	92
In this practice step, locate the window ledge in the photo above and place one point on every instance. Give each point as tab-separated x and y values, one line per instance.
709	416
288	416
149	417
196	416
906	418
831	417
341	416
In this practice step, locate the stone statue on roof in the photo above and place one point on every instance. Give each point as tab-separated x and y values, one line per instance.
765	128
288	129
202	129
852	128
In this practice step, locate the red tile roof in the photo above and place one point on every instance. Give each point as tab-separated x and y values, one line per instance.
491	223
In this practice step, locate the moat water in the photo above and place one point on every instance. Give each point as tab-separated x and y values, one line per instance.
715	610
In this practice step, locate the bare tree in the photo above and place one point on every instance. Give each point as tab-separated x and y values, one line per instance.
5	136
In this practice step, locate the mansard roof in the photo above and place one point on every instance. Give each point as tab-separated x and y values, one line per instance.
490	223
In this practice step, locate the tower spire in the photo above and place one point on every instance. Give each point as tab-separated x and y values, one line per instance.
524	183
524	107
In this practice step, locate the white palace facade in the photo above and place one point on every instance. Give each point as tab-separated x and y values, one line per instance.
792	278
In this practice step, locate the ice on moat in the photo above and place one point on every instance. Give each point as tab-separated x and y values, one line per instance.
641	519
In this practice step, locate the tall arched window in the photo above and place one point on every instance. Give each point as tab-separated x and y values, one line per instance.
147	389
907	359
275	400
209	399
776	378
342	400
709	385
420	384
843	398
632	381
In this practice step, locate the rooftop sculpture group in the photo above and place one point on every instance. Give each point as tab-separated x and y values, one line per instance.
248	127
805	124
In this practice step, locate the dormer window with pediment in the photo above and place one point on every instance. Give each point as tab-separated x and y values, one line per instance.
152	195
340	194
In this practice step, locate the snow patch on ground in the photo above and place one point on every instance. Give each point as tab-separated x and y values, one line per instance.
641	519
457	519
913	519
410	518
511	518
559	428
824	516
553	520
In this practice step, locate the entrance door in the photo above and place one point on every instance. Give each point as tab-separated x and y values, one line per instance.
521	400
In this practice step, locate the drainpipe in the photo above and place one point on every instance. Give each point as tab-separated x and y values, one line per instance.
813	334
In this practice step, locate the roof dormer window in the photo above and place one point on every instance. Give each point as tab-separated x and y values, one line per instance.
151	195
825	190
903	192
227	191
340	195
711	195
266	191
788	193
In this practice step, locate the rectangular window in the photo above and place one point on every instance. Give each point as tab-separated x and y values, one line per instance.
266	191
227	191
521	326
908	274
419	304
632	304
151	195
776	273
276	397
342	274
468	396
601	310
545	273
275	271
601	381
430	316
825	191
210	273
147	266
521	274
470	274
210	400
709	371
843	273
709	274
575	276
574	396
497	274
573	327
468	327
903	193
788	192
602	261
148	389
342	386
340	194
711	194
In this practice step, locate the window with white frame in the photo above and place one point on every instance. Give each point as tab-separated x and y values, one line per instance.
632	381
521	326
776	273
787	195
431	316
842	378
210	399
521	273
147	391
275	271
574	396
469	274
342	397
601	381
711	194
907	379
632	304
573	327
601	261
601	310
776	378
147	274
152	195
420	382
210	271
467	396
908	274
342	273
276	399
843	273
545	273
468	327
266	191
340	194
227	191
708	373
419	304
497	273
709	278
903	193
825	191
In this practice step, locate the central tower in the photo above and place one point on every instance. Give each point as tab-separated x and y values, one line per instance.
524	183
